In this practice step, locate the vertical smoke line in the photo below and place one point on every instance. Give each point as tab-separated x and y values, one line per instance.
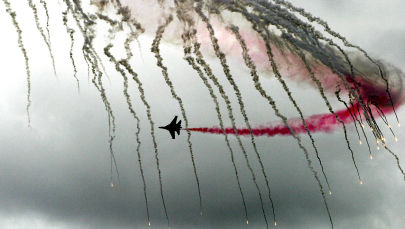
167	79
326	27
41	31
187	38
88	66
221	56
45	6
385	120
356	108
134	75
264	33
132	111
213	78
18	30
354	117
111	118
348	143
156	50
92	58
71	32
250	65
396	159
354	120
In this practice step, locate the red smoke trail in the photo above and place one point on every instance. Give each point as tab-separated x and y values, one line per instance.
372	94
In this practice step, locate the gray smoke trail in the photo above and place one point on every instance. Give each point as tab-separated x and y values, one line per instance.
92	58
251	66
88	66
264	33
155	49
187	37
45	6
71	32
13	16
348	145
213	78
221	56
132	111
134	75
111	118
354	117
41	31
396	159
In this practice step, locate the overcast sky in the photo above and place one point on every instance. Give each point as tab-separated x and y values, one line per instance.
56	174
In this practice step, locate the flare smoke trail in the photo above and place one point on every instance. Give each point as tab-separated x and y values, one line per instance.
213	78
41	31
191	61
13	15
221	56
272	38
71	32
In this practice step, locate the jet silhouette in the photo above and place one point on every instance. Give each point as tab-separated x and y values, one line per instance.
172	127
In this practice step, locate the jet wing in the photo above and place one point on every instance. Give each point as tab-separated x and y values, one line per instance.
172	134
173	121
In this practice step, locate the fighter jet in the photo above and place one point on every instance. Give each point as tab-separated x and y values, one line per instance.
172	127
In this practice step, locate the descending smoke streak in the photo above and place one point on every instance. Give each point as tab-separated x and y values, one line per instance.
45	6
13	16
354	117
348	145
41	31
168	81
221	56
88	66
384	118
190	60
355	120
396	158
130	107
92	58
111	117
251	66
155	49
71	32
134	75
326	27
258	27
213	78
